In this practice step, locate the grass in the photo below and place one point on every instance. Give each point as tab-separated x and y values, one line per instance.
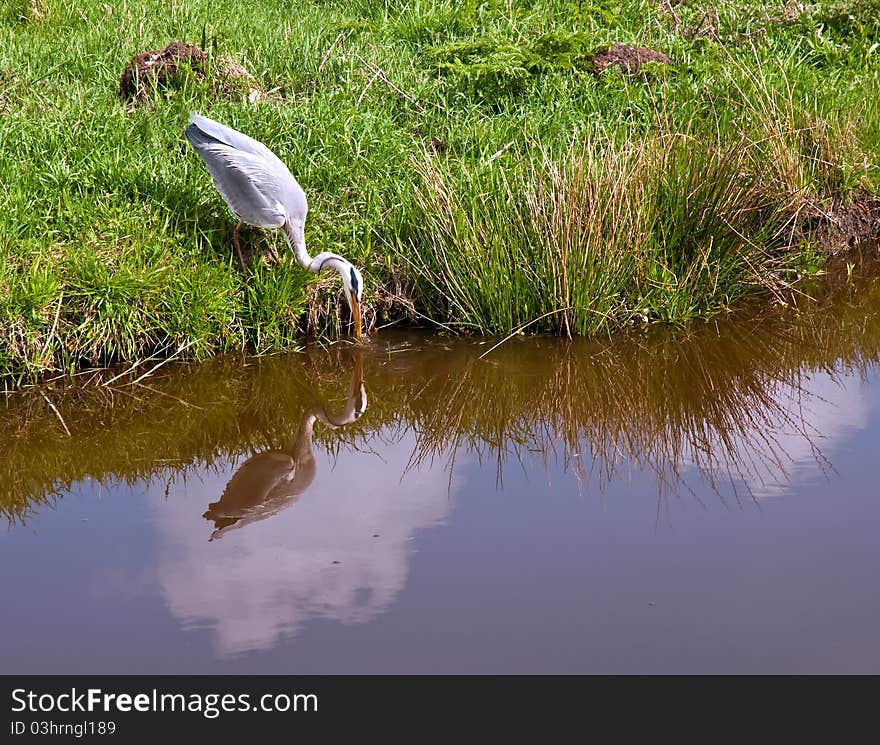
463	148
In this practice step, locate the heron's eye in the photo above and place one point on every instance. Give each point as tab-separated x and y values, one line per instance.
354	284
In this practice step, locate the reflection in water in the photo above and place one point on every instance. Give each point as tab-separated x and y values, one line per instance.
749	405
809	420
343	553
741	399
272	480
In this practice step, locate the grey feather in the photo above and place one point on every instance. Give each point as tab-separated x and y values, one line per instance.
232	137
254	183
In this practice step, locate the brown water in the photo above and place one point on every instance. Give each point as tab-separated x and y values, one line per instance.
700	500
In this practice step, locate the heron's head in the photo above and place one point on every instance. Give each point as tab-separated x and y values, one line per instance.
351	280
354	290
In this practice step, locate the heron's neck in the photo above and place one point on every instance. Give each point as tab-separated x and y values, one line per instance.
355	406
300	446
295	233
327	260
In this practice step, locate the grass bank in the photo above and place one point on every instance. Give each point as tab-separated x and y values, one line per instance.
465	155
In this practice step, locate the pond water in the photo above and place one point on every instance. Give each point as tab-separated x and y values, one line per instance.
700	500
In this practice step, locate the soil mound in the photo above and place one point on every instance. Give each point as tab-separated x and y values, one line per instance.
836	228
159	69
628	60
162	68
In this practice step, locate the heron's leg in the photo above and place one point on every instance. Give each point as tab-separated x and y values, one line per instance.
235	242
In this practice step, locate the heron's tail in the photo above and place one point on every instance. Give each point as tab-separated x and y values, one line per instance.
198	137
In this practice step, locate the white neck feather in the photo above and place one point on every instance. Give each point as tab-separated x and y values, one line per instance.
295	234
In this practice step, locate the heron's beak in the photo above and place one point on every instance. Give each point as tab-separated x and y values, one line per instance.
355	313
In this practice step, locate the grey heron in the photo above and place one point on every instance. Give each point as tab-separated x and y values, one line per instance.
260	190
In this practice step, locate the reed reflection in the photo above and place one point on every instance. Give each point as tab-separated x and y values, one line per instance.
752	404
738	402
272	480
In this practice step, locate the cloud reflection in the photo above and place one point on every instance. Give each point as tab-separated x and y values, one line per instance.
812	420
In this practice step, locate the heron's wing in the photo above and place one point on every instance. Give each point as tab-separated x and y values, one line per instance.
252	180
253	190
208	128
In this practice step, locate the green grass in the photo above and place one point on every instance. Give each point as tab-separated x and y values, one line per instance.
500	178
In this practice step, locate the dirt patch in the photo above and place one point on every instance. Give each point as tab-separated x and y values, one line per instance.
841	227
393	302
628	60
159	69
163	68
435	143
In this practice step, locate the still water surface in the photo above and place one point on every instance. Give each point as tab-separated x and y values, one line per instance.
699	500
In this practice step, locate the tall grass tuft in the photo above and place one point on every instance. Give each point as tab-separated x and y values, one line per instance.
667	228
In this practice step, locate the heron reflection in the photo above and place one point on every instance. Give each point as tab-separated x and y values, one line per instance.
270	481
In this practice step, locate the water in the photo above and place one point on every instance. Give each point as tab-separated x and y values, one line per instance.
701	500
